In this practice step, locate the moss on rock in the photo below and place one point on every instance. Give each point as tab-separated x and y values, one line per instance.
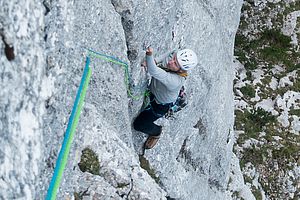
89	162
146	166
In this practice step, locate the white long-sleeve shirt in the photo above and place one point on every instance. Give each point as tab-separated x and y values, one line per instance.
164	85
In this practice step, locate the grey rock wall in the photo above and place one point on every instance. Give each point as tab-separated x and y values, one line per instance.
22	95
191	160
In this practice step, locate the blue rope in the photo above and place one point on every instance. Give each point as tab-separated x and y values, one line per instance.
128	79
107	56
67	134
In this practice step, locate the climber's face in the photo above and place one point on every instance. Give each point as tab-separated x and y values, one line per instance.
173	64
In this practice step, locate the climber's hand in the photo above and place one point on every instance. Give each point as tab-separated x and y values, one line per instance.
149	51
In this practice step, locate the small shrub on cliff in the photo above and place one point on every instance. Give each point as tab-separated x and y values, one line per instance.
260	117
89	162
248	91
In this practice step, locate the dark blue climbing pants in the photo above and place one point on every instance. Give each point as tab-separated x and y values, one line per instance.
144	121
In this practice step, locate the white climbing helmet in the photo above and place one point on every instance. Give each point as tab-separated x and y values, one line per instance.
187	59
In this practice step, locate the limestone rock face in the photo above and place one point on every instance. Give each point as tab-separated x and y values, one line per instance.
43	50
22	95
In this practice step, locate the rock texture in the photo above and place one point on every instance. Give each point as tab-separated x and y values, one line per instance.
267	94
42	59
22	66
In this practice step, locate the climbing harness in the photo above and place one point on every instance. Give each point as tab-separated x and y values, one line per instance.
179	104
171	108
75	114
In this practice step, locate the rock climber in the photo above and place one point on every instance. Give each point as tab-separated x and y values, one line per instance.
168	75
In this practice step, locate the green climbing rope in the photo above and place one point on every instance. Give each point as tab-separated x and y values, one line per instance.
125	67
68	138
74	118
